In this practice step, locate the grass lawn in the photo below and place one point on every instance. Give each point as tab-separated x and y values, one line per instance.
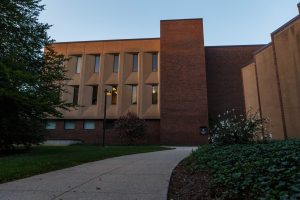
250	171
42	159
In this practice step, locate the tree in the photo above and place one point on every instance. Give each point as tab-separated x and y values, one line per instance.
131	127
31	80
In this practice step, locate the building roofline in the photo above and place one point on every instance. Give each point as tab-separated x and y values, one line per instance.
111	40
188	19
232	46
263	48
248	63
285	25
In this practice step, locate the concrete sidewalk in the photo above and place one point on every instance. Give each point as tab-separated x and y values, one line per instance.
139	176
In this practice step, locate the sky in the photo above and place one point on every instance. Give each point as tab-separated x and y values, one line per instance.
226	22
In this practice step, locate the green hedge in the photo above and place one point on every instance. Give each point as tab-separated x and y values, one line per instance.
252	171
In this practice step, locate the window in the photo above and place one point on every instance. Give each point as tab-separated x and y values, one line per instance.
154	94
69	124
50	125
135	64
97	64
94	95
134	94
75	94
154	62
78	64
116	63
114	94
89	124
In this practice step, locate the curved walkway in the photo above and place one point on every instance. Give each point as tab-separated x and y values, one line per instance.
139	176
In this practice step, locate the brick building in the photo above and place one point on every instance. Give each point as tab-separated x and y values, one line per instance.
173	82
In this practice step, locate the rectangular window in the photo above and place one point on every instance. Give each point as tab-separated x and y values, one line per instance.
75	94
135	62
154	94
114	95
78	64
89	124
94	95
116	63
134	94
69	124
50	125
154	62
97	64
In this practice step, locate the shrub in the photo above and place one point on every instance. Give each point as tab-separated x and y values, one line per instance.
130	127
251	171
233	128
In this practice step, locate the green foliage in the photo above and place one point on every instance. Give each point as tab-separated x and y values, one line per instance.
131	127
31	80
43	159
233	128
251	171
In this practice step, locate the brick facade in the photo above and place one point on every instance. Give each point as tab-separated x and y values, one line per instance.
94	136
224	79
194	83
182	82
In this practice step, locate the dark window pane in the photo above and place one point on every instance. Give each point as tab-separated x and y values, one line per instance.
154	94
50	124
97	64
78	64
134	94
94	95
154	62
75	94
135	63
114	95
116	63
89	124
69	124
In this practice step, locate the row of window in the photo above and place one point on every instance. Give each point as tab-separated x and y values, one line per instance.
114	94
134	68
71	124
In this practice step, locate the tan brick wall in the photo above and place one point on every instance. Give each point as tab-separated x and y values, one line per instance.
250	88
268	91
287	50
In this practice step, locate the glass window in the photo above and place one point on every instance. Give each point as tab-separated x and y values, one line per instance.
114	95
94	95
154	62
50	125
89	124
116	63
97	64
69	124
78	64
75	94
154	94
135	64
134	94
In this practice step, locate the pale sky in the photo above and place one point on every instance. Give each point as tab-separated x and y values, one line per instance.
226	22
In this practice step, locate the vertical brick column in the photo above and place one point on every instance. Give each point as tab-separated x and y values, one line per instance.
183	90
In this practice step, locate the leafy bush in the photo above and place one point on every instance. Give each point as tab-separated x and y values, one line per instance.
131	127
233	128
251	171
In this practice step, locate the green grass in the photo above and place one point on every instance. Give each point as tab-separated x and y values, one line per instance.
251	171
43	159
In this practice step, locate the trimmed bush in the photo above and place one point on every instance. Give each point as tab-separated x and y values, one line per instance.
130	127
